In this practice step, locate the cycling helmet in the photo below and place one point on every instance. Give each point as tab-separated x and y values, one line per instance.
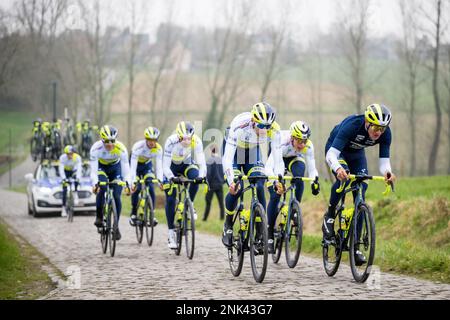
300	130
108	133
185	129
378	114
151	133
264	114
69	149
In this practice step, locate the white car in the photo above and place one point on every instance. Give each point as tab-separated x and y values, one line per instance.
44	191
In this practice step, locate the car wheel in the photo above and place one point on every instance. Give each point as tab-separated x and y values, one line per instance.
35	213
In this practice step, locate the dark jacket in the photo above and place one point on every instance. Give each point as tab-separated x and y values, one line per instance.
214	174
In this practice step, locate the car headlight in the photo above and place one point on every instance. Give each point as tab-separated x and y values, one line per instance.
44	191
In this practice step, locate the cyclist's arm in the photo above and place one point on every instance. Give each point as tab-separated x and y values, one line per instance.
277	154
93	161
200	158
125	166
385	144
78	168
159	165
133	166
62	174
311	163
167	159
332	157
230	150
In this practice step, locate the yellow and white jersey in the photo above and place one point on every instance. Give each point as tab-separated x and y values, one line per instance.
242	135
175	152
118	154
142	154
66	164
288	151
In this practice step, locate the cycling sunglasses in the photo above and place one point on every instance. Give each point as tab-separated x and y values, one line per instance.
378	128
109	141
263	126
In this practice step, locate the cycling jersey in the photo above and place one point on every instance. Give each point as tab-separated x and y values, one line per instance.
142	154
118	154
288	151
351	137
66	164
242	135
175	152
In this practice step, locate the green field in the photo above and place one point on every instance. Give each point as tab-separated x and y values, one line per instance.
21	276
19	125
412	224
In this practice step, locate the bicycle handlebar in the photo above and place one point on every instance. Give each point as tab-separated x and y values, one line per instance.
360	178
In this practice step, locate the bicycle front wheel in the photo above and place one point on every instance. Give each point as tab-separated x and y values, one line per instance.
278	238
294	234
258	242
332	250
362	243
70	206
113	228
189	228
236	252
149	216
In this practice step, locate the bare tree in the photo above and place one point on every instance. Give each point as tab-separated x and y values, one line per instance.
353	27
9	45
227	56
412	54
435	21
269	64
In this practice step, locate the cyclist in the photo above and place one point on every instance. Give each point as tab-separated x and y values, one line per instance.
69	166
183	156
141	165
345	151
298	154
37	125
109	161
248	132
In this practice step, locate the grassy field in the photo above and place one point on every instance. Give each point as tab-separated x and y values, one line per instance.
413	225
21	276
20	124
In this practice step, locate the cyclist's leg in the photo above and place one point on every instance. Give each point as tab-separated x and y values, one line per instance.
148	177
231	202
272	210
191	172
64	194
208	200
102	177
171	197
257	169
297	167
115	173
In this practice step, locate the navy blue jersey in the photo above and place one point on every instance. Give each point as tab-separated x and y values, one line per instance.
351	136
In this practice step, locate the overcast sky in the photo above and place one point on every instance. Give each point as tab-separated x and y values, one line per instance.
307	16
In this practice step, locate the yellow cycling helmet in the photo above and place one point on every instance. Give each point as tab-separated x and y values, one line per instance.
263	114
108	133
378	114
69	149
184	129
300	130
151	133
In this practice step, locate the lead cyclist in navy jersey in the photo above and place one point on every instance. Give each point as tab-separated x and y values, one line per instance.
345	151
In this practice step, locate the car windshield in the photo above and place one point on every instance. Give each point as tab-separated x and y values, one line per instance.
48	172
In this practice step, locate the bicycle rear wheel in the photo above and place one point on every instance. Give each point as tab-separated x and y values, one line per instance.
365	243
189	228
294	234
332	251
258	242
149	215
236	252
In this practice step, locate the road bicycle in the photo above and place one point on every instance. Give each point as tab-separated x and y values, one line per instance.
290	224
145	213
70	199
354	230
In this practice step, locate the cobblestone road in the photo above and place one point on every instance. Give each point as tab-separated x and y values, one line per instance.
142	272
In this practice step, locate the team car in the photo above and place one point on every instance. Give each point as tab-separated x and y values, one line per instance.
44	190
